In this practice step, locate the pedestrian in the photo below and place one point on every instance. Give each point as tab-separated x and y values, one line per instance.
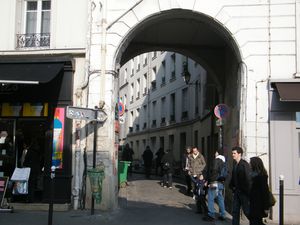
259	192
200	193
240	184
185	168
158	166
127	155
215	184
147	157
196	164
167	163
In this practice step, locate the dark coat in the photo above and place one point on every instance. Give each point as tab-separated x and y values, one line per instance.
170	159
241	180
214	171
148	157
259	196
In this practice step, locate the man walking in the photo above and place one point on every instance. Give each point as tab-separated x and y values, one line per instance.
147	157
240	184
215	183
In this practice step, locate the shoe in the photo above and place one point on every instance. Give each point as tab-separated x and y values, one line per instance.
221	218
208	218
170	187
165	186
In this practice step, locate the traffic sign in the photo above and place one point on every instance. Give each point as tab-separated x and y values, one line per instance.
221	111
80	113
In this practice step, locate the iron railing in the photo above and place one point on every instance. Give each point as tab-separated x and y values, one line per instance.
35	40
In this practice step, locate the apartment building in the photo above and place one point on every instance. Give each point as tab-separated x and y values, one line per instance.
161	110
42	64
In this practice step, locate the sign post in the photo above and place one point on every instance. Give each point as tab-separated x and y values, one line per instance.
221	112
96	115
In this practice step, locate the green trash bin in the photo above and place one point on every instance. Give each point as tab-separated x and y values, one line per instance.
122	172
96	176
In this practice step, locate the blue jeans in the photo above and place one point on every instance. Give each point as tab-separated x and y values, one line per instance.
239	200
212	194
167	179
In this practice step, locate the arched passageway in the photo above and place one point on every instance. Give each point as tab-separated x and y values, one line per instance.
208	43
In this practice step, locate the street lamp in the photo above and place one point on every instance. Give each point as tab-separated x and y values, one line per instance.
185	73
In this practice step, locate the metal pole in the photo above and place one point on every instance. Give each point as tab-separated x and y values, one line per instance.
281	188
94	157
50	212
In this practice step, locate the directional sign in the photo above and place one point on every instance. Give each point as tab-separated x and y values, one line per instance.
221	111
80	113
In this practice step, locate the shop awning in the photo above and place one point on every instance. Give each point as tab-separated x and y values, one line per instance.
287	90
29	73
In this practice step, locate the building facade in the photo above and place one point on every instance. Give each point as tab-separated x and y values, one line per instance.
249	50
160	110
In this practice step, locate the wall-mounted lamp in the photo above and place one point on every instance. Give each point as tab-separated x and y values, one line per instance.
185	73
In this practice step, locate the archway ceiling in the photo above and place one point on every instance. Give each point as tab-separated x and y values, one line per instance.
184	35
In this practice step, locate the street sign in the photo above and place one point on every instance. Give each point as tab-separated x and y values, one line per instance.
221	111
80	113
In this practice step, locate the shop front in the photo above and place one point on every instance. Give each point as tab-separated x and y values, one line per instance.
34	131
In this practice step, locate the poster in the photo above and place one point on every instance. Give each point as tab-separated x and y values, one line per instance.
58	137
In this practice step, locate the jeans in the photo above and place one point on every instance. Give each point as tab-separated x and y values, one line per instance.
239	200
167	179
212	194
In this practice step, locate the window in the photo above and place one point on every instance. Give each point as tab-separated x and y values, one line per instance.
298	120
184	103
37	25
138	88
163	71
172	107
173	67
163	110
145	84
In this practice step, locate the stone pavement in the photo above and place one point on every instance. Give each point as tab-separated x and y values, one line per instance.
142	202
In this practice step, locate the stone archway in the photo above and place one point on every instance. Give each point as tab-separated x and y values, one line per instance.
182	30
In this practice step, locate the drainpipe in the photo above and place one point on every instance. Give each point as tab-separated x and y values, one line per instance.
103	49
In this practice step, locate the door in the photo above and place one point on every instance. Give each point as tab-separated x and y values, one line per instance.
7	147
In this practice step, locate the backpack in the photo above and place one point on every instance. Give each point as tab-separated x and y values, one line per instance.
223	173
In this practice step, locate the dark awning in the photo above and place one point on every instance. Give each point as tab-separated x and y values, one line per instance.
30	73
288	91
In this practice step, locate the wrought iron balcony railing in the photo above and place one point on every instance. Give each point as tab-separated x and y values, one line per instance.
35	40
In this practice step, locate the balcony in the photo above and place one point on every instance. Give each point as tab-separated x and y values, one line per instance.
36	40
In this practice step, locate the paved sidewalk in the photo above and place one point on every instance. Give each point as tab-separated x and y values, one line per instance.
143	202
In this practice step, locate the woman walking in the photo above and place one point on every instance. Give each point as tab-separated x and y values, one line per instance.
259	192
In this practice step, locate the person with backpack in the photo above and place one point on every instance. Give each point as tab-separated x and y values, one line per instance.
216	176
167	162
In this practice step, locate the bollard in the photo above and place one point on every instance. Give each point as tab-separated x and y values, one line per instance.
50	212
281	188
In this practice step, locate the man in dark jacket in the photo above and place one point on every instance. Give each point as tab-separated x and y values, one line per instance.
167	164
240	185
215	189
147	157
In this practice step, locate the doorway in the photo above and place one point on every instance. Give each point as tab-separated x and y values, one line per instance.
25	145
